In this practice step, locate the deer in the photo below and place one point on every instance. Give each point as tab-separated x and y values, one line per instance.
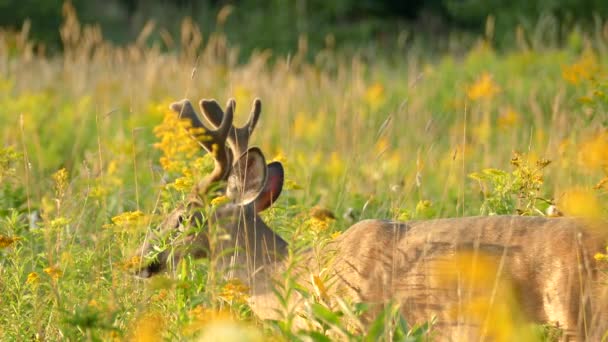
548	262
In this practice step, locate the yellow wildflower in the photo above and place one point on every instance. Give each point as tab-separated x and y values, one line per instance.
583	69
580	202
6	241
131	263
58	223
53	272
593	153
509	118
176	141
319	287
280	157
220	200
128	219
290	184
242	94
216	323
484	87
491	300
160	295
148	328
335	166
308	126
33	278
381	145
374	95
60	178
183	184
317	225
234	291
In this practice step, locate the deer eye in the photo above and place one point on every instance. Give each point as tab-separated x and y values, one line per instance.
179	221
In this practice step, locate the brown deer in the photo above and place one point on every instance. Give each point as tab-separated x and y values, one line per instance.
547	264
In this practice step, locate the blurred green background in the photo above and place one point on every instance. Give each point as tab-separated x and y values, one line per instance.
345	24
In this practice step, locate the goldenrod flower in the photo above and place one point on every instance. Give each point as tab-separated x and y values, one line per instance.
148	328
220	200
583	69
374	95
581	202
127	220
60	178
6	241
234	291
508	118
593	153
484	87
33	278
53	272
58	223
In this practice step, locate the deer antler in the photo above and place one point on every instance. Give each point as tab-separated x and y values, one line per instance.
238	138
212	140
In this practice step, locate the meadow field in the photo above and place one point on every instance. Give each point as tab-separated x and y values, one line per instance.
92	159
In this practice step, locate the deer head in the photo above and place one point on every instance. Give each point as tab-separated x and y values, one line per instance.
250	185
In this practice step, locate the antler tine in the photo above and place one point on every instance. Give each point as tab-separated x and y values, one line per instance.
238	138
212	140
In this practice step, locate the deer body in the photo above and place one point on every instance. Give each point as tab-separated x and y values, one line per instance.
546	264
549	263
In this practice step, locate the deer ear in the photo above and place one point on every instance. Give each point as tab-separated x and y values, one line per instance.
272	188
247	177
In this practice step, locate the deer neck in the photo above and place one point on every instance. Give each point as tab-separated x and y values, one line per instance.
257	251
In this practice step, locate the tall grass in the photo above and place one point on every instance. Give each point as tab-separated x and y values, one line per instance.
82	181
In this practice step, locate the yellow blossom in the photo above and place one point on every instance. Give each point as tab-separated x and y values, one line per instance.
290	184
220	200
593	153
335	166
583	69
205	318
128	219
33	278
58	223
242	94
374	95
53	272
508	118
319	287
148	328
308	126
599	257
381	145
484	87
580	202
176	141
131	263
60	178
491	300
280	157
317	225
183	184
234	291
6	241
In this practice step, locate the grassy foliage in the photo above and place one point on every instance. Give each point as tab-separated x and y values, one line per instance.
84	172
